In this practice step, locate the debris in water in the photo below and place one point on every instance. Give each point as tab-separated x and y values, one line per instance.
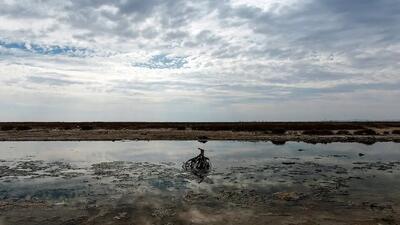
202	139
199	166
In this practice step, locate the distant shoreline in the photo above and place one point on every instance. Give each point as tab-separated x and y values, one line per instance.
277	132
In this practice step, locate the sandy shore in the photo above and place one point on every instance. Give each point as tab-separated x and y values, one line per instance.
173	134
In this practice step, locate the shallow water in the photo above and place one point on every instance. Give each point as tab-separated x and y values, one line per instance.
139	182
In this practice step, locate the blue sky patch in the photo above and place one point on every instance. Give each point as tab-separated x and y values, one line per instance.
163	61
45	50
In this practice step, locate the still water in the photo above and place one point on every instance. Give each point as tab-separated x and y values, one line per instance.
139	182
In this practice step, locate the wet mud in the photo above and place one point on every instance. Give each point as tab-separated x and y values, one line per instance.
315	188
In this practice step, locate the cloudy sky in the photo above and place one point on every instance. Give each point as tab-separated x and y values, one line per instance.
202	60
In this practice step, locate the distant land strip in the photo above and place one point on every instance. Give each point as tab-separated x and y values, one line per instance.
276	132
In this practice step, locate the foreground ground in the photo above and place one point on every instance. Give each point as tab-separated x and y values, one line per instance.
126	183
277	132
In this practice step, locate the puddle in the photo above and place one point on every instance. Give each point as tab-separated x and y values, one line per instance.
171	182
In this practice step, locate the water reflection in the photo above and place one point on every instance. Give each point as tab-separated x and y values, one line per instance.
143	183
199	166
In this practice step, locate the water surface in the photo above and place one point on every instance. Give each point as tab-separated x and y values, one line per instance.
136	182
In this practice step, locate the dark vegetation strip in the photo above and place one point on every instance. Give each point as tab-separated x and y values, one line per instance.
322	128
365	132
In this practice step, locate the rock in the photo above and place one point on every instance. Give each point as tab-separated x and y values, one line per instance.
278	142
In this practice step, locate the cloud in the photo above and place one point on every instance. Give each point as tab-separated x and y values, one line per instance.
220	56
52	81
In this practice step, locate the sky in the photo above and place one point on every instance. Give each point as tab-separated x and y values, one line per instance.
200	60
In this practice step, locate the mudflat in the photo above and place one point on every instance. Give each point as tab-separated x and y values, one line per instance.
150	182
277	132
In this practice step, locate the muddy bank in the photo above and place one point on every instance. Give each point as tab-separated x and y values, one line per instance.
380	135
